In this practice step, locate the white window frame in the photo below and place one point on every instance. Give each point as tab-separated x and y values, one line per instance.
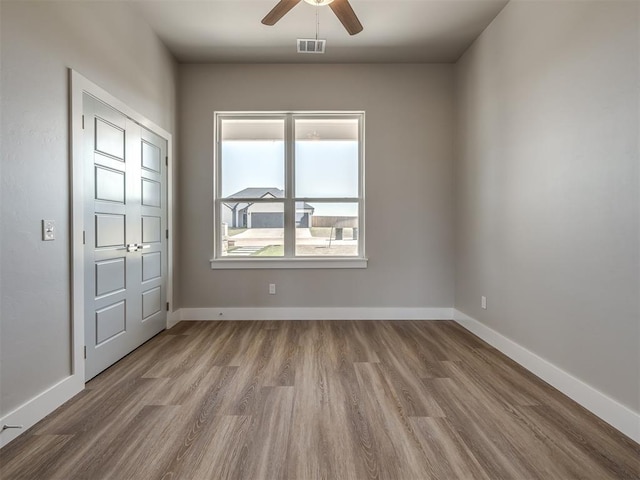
289	260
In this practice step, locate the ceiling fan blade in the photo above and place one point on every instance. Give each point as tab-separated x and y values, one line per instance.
279	11
346	15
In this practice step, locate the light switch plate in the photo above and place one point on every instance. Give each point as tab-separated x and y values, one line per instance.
48	230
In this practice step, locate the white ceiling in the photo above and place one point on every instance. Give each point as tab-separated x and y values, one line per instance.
211	31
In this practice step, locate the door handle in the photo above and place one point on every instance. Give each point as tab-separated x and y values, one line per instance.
134	247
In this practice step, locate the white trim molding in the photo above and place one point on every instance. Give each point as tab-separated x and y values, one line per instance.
311	313
285	129
34	410
173	318
615	414
227	263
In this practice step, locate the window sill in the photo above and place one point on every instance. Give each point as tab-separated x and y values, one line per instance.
282	263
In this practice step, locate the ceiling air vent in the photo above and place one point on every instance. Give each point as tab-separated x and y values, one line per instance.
310	45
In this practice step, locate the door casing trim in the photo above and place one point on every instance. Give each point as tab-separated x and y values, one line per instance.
78	85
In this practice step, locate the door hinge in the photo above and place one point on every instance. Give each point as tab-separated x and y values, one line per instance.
83	122
84	237
167	306
166	160
166	234
85	351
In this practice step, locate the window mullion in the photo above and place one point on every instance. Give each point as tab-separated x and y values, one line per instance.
217	191
289	203
361	187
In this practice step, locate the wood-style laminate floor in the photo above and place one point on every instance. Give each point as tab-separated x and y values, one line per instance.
319	400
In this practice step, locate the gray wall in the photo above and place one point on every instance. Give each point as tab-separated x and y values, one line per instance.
107	44
547	186
409	116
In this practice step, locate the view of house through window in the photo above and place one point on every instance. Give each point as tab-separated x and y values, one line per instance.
289	185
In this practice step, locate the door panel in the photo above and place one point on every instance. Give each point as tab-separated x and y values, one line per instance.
110	185
151	266
110	139
151	302
110	230
153	223
110	276
125	251
110	321
151	157
151	192
151	229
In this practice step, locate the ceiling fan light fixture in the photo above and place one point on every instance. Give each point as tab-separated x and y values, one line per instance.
318	3
342	9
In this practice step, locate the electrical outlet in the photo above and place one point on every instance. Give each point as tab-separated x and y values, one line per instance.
272	289
483	302
48	230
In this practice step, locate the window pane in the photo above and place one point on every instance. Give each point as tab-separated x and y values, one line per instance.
252	229
327	229
252	155
326	157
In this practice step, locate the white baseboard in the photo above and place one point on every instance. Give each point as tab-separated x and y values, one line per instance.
615	414
316	313
31	412
620	417
173	318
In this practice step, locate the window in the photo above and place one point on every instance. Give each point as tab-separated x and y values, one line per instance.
289	190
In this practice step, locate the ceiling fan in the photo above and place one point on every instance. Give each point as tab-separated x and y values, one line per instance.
341	8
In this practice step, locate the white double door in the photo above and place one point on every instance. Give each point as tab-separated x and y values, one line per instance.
125	253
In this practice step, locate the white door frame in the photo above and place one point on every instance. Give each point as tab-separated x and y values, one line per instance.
79	86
